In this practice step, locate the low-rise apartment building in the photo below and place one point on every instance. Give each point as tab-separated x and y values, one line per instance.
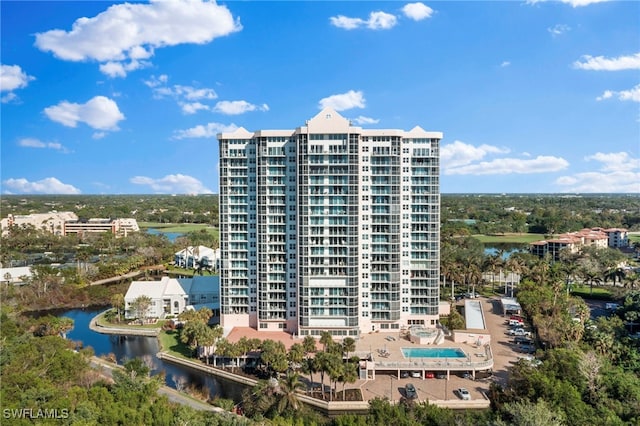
573	241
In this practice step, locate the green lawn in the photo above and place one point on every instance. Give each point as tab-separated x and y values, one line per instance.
179	227
169	342
585	292
509	238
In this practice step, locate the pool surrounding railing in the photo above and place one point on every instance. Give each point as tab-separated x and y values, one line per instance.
433	353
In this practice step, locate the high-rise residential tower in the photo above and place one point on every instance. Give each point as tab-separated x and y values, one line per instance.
329	227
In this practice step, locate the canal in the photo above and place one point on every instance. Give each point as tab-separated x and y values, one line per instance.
128	347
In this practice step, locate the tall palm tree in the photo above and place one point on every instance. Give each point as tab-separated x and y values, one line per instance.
288	393
348	345
326	339
349	375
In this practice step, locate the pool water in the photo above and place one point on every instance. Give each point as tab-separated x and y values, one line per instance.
433	353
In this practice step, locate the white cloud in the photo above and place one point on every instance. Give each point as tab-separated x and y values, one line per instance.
98	135
128	33
100	113
344	101
381	21
120	69
505	166
615	161
346	23
459	158
173	184
209	130
183	92
377	21
37	143
505	64
188	97
361	119
459	153
8	97
600	63
614	182
238	107
48	185
157	81
573	3
12	77
623	95
417	11
558	29
193	107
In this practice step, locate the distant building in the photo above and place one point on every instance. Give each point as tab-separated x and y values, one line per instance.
171	296
618	237
15	276
190	257
573	241
50	222
67	223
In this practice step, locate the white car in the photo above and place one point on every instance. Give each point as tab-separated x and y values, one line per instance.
464	394
518	332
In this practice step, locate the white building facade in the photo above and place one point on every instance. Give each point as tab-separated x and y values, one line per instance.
329	227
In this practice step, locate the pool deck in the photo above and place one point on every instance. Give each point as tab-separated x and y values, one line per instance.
390	344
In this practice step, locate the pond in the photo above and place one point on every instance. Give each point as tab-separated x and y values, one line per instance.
127	347
171	236
507	249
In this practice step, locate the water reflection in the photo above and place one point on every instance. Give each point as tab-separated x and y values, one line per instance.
127	347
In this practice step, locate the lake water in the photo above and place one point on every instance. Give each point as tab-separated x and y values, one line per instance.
171	236
127	347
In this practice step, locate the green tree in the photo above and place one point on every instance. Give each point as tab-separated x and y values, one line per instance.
289	386
117	301
140	306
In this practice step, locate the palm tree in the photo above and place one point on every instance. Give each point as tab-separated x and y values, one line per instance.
326	339
288	393
117	301
348	345
309	366
349	375
492	264
295	355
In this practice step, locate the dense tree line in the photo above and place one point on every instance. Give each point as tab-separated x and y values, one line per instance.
538	213
41	371
489	213
144	208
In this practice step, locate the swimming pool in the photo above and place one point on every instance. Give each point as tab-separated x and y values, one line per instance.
433	353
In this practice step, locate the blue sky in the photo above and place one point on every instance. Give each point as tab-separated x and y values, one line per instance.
117	98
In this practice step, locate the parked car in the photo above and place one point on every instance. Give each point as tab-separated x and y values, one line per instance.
465	374
527	349
410	391
416	374
464	394
522	340
404	374
429	375
518	332
471	295
441	375
515	322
